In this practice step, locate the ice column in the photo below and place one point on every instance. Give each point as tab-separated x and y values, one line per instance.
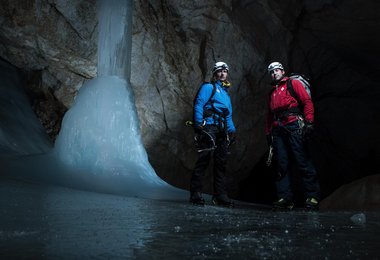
100	133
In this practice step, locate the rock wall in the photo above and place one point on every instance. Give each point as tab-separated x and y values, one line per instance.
55	37
360	195
54	43
174	48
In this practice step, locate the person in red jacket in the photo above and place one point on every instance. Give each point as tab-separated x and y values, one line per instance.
287	125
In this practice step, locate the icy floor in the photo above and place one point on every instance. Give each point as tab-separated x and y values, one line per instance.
48	222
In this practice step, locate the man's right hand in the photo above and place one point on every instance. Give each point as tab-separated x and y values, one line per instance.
199	127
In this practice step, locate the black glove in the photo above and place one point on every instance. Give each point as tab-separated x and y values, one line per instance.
269	139
232	138
308	130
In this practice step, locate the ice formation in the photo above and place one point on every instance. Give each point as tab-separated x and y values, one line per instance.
99	146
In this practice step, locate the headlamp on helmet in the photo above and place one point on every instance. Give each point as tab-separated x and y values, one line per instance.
220	66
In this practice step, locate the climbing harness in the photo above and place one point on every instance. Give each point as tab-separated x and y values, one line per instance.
204	142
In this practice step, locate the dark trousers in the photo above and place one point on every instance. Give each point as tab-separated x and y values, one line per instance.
288	140
220	159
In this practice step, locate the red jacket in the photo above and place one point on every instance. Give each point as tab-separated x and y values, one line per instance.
281	100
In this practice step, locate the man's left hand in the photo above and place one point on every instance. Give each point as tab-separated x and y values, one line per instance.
308	129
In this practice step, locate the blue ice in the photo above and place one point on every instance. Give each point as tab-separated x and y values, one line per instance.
99	146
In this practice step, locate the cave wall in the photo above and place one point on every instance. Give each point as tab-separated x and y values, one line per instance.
174	46
55	44
335	45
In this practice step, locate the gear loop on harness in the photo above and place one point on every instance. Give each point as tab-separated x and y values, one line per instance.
204	141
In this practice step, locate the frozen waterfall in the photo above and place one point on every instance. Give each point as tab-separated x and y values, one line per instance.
99	146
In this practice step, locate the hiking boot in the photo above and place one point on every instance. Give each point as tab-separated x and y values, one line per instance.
283	204
311	203
196	198
223	200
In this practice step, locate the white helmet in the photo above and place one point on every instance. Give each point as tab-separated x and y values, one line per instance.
275	65
220	65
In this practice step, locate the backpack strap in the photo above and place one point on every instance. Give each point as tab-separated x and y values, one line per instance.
213	112
207	113
290	88
212	94
290	111
294	110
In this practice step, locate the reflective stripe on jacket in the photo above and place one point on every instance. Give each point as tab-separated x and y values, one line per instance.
221	102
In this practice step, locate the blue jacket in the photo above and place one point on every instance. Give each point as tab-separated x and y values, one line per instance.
221	102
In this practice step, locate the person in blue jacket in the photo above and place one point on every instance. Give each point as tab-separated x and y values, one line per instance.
215	131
